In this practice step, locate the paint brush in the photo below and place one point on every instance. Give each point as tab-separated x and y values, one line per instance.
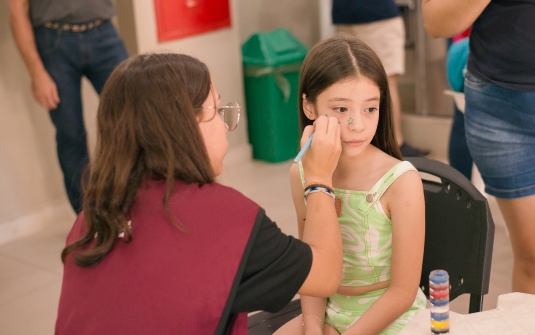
304	149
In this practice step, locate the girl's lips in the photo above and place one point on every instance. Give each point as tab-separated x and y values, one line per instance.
354	142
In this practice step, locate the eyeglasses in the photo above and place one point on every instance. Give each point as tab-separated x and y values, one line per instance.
229	113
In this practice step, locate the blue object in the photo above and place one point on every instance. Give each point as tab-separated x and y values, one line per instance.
363	11
304	149
440	316
438	277
458	153
456	64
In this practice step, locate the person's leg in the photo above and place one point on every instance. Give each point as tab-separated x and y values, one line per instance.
106	52
61	60
295	327
458	153
500	133
396	107
406	149
292	327
519	216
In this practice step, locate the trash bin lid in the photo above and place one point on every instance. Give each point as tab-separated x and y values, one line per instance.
273	48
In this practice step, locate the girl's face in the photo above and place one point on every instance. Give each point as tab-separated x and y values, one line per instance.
213	131
355	103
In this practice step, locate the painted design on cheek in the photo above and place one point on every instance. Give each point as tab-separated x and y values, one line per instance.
350	120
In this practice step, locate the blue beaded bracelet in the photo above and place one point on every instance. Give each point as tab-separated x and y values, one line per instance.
314	189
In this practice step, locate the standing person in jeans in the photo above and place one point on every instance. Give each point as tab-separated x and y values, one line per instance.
61	41
499	90
378	24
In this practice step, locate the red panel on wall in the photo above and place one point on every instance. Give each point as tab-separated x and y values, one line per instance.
180	18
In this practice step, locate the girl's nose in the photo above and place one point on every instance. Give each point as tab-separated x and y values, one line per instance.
355	123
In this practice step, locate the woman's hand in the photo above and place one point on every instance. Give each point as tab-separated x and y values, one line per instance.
321	159
45	90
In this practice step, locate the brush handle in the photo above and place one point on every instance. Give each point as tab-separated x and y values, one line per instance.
304	149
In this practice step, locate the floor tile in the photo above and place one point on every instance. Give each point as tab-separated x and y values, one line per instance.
19	279
34	313
40	250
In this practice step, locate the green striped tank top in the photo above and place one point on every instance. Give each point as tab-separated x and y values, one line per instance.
366	230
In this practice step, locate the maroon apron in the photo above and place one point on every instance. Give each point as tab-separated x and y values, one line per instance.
165	281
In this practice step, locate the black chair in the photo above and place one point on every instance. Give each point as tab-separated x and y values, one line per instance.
459	237
459	232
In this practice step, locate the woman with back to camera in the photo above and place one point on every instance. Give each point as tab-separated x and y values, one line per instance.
160	248
499	89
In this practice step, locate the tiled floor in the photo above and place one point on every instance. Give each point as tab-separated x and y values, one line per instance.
30	268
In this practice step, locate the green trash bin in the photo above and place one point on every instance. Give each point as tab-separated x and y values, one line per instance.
271	62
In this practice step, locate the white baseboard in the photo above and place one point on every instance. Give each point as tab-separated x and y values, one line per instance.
33	223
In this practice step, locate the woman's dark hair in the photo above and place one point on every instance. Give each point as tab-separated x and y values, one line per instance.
342	57
147	128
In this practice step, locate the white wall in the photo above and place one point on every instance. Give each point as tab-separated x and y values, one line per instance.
219	49
300	17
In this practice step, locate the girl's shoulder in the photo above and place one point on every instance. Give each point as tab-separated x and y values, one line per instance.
385	160
384	165
390	171
403	181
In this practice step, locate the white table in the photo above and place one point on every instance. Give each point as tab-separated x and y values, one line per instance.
514	315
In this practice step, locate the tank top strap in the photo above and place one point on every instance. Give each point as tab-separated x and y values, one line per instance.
377	191
302	173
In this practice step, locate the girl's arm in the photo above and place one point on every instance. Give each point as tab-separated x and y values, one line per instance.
405	201
310	306
447	18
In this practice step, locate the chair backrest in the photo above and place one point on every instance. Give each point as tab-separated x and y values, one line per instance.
459	233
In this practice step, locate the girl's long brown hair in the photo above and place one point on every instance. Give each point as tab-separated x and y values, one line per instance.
147	127
339	58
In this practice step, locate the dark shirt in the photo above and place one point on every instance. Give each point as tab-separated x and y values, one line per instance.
363	11
502	44
70	11
275	270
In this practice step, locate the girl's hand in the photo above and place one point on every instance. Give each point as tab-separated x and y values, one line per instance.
321	159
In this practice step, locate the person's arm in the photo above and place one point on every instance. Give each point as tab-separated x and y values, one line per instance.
321	231
311	307
405	201
447	18
43	86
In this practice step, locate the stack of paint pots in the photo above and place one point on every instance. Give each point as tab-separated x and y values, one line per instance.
439	295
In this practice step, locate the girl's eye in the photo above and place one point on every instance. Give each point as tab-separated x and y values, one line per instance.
371	109
340	109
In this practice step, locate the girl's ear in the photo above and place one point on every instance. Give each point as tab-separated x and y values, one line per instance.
308	108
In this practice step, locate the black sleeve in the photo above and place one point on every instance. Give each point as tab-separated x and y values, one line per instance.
276	268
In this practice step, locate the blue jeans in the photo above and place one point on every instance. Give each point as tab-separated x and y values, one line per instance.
458	152
67	56
500	133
